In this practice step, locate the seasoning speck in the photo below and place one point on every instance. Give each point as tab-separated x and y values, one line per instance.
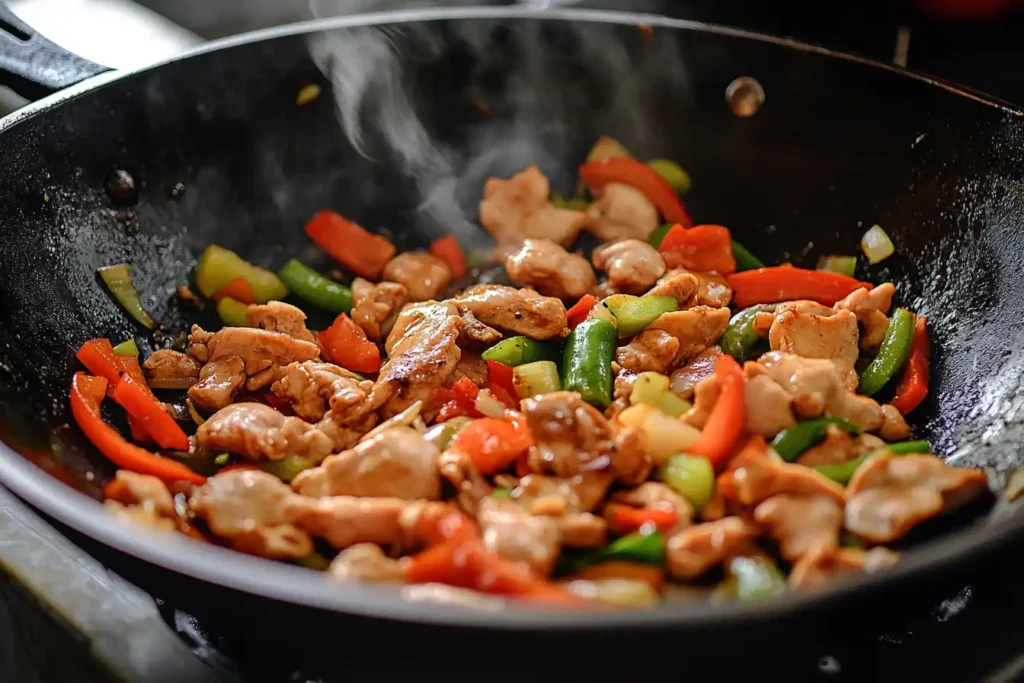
128	220
307	94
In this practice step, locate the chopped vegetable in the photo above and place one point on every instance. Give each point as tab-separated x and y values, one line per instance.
652	388
219	266
905	447
673	174
307	93
493	444
449	251
580	310
638	546
892	354
480	258
86	395
704	249
633	313
119	281
785	283
605	148
623	569
692	477
314	561
533	379
127	348
97	355
725	423
745	260
143	406
233	313
516	351
313	287
350	244
573	204
597	174
757	578
238	289
288	467
629	519
602	312
587	362
658	236
441	435
913	387
876	245
791	442
842	472
664	436
193	413
501	494
345	344
501	376
632	593
740	339
222	460
844	265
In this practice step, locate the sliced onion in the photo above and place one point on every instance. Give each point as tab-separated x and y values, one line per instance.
489	405
193	413
876	245
406	417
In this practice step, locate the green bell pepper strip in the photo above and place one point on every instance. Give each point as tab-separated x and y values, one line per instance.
745	260
587	361
288	467
219	266
845	265
892	354
757	578
659	234
502	494
233	313
314	561
516	351
634	547
739	339
791	442
692	477
534	379
127	348
313	287
442	435
842	472
634	313
118	279
673	174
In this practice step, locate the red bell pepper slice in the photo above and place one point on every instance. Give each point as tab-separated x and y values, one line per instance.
87	393
350	244
725	423
140	403
449	251
580	310
626	519
627	171
704	249
238	289
493	444
500	376
97	355
345	344
785	283
913	388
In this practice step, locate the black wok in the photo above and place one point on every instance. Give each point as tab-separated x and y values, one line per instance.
431	103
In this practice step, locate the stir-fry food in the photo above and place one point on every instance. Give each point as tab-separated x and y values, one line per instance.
602	430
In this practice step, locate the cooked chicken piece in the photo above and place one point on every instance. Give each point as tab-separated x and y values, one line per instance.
798	523
277	316
768	406
259	432
839	446
696	329
472	367
632	266
247	508
548	268
518	208
570	435
705	394
517	311
816	388
653	350
624	381
890	494
471	487
311	388
807	335
264	353
694	289
141	515
712	290
423	276
476	333
756	474
366	562
344	521
171	369
658	495
716	508
582	530
762	323
375	307
422	355
445	595
511	531
554	496
824	564
697	368
622	212
142	491
692	552
870	307
396	463
894	427
218	381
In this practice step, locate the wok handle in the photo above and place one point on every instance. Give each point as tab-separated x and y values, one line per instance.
33	66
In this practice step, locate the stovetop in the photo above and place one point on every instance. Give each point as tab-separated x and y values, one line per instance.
64	617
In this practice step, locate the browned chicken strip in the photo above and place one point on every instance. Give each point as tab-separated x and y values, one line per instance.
799	523
870	307
470	486
218	381
517	311
259	432
622	212
543	265
633	266
759	476
826	563
696	329
148	493
312	388
651	350
424	276
832	337
691	552
344	521
263	352
509	529
699	367
167	369
375	307
519	208
693	289
277	316
366	562
571	436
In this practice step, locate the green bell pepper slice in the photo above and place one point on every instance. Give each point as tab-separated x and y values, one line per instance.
587	361
842	472
892	354
313	287
118	279
288	467
659	234
516	351
745	260
756	578
219	266
739	339
791	442
633	313
127	348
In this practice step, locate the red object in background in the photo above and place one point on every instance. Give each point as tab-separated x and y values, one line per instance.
969	10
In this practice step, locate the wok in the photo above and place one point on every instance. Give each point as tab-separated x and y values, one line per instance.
417	109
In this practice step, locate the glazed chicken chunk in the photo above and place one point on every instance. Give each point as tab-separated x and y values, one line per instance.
519	208
548	268
423	276
375	307
517	311
633	266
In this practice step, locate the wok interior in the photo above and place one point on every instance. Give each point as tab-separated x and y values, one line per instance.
413	118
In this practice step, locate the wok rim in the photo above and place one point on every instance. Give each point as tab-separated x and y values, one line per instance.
291	584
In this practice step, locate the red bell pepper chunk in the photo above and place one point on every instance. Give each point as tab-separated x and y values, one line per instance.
580	310
725	423
626	519
87	393
913	388
493	444
345	344
500	377
238	289
627	171
97	355
703	249
449	251
350	244
785	283
140	403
